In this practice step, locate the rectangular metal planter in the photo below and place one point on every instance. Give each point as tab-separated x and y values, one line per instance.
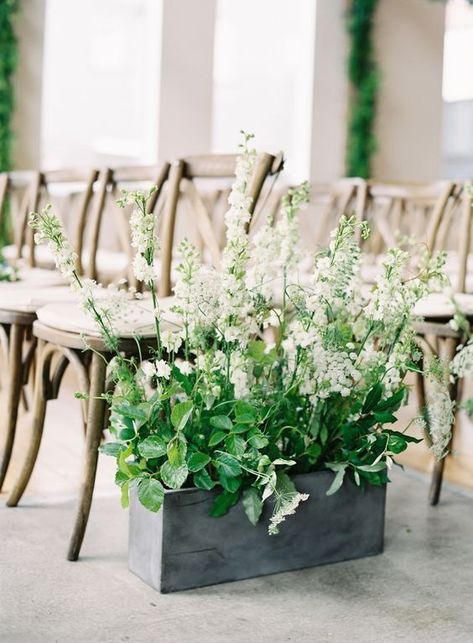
182	547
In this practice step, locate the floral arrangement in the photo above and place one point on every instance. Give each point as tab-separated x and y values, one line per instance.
269	374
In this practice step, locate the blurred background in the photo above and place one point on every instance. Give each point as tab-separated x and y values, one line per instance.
110	82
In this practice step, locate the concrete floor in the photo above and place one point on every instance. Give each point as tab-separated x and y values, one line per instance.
420	589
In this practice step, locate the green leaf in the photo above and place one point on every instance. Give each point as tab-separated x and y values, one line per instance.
152	447
372	468
125	495
235	444
197	461
216	437
257	439
396	444
228	464
221	422
245	413
180	414
177	450
127	434
239	428
229	483
174	476
314	450
202	480
323	434
151	493
337	481
223	502
392	403
373	397
112	448
120	478
252	504
129	411
282	461
384	417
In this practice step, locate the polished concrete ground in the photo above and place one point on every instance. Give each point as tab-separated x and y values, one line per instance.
420	589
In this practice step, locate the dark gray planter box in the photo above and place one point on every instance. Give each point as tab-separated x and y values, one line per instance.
183	547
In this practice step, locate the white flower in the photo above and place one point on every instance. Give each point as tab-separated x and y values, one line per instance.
440	410
171	341
186	368
163	369
142	270
148	369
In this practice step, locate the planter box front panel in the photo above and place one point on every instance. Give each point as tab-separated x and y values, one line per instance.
183	547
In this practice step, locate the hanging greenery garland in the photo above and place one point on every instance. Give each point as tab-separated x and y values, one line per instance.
8	60
363	74
364	77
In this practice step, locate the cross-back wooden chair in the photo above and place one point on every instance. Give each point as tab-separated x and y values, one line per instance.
20	300
197	184
450	232
54	336
401	214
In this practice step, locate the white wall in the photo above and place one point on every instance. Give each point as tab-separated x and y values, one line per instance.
409	37
100	80
29	27
263	77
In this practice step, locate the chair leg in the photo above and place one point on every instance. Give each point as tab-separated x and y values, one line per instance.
436	482
95	421
39	413
14	392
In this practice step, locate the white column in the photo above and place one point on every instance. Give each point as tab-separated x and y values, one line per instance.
330	92
409	37
185	90
29	27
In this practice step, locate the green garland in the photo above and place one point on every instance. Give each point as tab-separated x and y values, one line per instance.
8	60
363	74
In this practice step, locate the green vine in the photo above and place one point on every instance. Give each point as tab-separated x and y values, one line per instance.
364	77
8	60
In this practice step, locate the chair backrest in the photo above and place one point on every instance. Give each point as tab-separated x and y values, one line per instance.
329	200
197	184
71	192
107	216
15	192
406	212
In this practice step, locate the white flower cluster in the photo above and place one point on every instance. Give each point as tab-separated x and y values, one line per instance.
49	229
462	364
286	507
143	234
440	410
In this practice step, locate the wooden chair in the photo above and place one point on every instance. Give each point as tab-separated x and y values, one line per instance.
53	338
452	233
403	214
17	313
328	202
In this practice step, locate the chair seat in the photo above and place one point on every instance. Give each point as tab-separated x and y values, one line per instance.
111	265
440	306
32	278
70	317
42	254
29	300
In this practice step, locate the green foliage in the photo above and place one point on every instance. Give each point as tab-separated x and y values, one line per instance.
364	78
8	62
